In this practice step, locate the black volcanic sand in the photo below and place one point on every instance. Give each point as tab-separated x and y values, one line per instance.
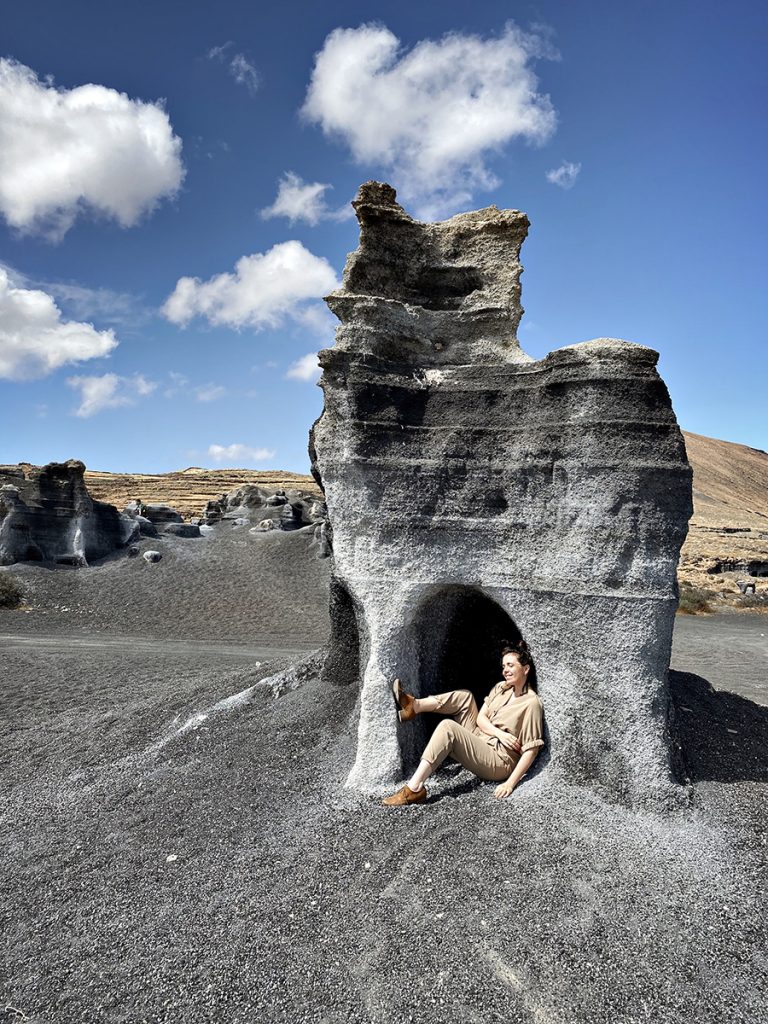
162	866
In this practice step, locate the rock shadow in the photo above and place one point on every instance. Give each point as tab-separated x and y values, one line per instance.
723	737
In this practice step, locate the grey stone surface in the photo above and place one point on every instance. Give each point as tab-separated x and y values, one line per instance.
159	514
47	514
286	510
181	529
475	494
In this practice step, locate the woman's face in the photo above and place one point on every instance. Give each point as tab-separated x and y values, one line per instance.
514	673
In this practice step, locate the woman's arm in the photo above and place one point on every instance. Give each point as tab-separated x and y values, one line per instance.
485	725
522	766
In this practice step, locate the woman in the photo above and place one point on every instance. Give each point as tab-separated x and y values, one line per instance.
500	742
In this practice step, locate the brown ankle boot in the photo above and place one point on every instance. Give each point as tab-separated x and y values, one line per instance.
404	702
406	796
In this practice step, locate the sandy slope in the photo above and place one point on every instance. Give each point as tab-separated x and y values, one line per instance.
730	490
161	866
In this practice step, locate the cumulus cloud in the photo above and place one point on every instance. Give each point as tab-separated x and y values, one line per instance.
63	151
303	200
306	368
238	65
434	114
565	175
35	340
239	454
265	290
109	391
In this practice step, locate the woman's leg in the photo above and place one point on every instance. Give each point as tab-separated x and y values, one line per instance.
459	704
472	751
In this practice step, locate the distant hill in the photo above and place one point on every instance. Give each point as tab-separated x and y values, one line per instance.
730	509
187	490
730	493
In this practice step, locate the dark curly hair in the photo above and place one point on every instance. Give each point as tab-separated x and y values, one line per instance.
523	653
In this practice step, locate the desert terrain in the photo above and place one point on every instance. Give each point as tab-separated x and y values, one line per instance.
728	529
179	845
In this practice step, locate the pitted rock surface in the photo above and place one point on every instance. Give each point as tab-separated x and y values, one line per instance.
475	494
287	510
47	514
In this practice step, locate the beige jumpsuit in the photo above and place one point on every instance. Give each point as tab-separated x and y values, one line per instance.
460	737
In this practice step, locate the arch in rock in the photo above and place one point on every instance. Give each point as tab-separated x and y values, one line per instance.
456	637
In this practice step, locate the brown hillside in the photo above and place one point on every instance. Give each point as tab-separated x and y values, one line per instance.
730	493
187	490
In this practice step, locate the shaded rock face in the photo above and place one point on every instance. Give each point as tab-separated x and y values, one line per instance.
46	514
475	495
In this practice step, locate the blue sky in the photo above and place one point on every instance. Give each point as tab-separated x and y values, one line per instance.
633	135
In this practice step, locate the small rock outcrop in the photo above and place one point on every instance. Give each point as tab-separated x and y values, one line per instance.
285	510
475	495
47	514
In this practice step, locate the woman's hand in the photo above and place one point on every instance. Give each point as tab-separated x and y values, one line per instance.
504	790
509	741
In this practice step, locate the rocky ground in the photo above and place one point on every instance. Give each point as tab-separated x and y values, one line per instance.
173	855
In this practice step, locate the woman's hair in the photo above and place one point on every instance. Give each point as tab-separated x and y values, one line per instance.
523	653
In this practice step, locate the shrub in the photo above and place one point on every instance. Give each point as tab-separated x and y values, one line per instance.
693	601
11	591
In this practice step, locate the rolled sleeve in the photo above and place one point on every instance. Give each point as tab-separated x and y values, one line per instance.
532	729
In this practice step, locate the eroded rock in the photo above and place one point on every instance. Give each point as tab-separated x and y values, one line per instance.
47	514
475	495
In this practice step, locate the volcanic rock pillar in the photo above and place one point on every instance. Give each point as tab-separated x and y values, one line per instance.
475	494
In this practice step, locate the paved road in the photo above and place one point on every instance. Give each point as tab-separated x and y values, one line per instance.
731	651
260	647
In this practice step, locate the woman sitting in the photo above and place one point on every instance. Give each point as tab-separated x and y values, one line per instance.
500	742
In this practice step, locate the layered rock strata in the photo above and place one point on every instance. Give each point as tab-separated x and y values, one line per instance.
47	514
475	495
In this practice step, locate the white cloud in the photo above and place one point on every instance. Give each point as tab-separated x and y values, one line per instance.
239	454
66	150
306	368
104	304
431	115
565	175
302	200
240	68
82	303
265	290
34	340
109	391
298	200
244	73
210	392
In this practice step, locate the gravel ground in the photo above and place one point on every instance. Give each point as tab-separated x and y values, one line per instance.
161	866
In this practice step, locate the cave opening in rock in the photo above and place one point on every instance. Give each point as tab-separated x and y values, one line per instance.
458	633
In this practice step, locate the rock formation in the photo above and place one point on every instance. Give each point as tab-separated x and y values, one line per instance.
475	494
47	514
286	510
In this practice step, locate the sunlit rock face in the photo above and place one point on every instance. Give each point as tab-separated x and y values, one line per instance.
475	494
47	514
